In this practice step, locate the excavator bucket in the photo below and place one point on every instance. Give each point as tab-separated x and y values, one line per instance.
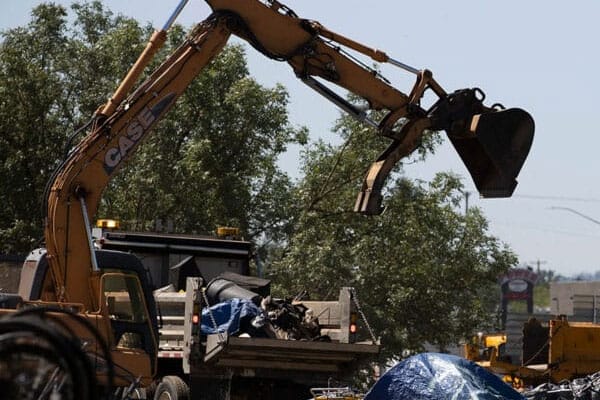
495	149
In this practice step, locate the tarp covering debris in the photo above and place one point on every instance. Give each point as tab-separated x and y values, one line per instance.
236	311
228	316
434	376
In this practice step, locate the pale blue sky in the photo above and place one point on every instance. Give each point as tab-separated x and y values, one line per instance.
538	55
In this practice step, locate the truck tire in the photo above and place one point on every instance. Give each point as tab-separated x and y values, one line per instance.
172	388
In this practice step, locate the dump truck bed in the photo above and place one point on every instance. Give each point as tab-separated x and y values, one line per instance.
259	356
285	355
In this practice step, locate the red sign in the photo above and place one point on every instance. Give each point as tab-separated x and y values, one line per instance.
516	296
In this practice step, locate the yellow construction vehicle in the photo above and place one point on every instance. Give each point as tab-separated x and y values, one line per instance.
561	351
108	291
481	345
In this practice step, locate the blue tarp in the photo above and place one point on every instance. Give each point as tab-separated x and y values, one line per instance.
434	376
227	315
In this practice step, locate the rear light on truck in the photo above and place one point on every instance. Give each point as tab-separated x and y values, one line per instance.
196	319
353	328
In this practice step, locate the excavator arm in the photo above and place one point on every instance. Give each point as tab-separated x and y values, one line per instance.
493	143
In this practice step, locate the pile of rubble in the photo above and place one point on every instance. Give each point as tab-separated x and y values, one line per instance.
587	388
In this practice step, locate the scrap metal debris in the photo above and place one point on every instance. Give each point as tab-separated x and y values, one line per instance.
290	320
587	388
242	312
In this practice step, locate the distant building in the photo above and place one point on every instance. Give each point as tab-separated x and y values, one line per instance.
579	299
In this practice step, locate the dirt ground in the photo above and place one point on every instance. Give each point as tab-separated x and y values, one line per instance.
9	277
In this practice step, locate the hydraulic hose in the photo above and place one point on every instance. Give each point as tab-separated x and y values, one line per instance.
48	339
106	355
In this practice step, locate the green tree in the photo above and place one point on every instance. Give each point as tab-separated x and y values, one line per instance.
35	107
211	161
214	160
419	268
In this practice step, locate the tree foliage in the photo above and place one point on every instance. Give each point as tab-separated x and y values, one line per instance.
211	161
419	268
35	109
214	161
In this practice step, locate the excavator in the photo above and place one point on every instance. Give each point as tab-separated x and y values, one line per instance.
109	291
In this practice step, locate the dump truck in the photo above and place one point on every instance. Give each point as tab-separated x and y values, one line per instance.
184	267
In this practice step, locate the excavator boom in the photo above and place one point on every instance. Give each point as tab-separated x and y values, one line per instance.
492	143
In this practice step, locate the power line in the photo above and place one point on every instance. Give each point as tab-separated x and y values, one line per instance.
546	230
577	213
562	198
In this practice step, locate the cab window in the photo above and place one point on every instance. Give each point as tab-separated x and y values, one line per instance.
124	298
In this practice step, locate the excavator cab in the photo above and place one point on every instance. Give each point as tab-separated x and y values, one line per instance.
130	306
134	345
126	301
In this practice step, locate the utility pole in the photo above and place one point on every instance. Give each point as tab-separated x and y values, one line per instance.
538	263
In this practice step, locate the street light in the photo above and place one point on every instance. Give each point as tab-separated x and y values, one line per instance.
578	213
